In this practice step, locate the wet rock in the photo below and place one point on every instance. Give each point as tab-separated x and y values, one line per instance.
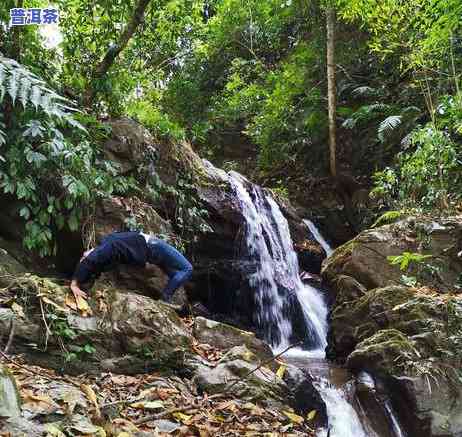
302	394
225	336
433	408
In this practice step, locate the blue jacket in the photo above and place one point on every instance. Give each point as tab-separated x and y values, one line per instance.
131	248
117	248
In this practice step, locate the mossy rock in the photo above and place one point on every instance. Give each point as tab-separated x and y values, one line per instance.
384	352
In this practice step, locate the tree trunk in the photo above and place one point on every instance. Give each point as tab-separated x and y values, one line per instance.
331	87
106	63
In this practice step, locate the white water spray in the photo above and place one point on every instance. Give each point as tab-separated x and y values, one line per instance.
343	419
277	279
319	238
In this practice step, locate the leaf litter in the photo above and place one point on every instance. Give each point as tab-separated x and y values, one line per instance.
110	405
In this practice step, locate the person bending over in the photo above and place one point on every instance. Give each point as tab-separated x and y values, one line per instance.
133	249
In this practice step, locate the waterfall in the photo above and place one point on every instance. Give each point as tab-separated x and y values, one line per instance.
343	419
276	281
279	291
318	237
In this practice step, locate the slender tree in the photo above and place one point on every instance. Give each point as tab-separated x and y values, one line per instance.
331	87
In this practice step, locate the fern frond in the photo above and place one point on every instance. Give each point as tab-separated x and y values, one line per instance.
24	90
35	96
2	81
388	217
365	91
13	84
366	113
387	126
2	137
18	82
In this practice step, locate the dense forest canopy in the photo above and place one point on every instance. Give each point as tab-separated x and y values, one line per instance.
231	74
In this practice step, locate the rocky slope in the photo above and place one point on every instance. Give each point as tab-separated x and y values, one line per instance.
125	330
130	334
401	318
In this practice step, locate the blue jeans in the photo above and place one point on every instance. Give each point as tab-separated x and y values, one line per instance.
173	263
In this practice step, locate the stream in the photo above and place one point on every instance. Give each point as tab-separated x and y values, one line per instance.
356	405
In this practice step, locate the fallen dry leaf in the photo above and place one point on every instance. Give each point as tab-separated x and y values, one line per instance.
311	415
294	417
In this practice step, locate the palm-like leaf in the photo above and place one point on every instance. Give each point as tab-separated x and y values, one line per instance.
18	82
387	126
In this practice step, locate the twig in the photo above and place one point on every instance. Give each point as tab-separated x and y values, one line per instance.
264	363
34	372
10	337
48	331
166	413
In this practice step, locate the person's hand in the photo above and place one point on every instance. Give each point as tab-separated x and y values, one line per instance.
77	292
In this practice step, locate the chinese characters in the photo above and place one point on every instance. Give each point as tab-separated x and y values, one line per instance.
39	16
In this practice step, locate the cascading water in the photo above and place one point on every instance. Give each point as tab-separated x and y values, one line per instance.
278	290
276	280
318	237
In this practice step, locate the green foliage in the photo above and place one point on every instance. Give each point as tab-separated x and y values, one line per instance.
190	216
387	217
252	72
406	259
157	122
49	163
419	31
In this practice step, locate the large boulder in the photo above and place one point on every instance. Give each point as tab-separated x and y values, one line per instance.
365	258
241	373
408	334
223	336
120	332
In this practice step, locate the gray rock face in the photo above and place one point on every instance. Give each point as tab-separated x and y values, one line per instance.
408	334
225	336
262	386
231	375
127	332
433	409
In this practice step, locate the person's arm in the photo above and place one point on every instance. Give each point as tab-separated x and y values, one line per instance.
82	274
91	264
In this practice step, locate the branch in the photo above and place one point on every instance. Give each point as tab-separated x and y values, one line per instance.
103	67
10	337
